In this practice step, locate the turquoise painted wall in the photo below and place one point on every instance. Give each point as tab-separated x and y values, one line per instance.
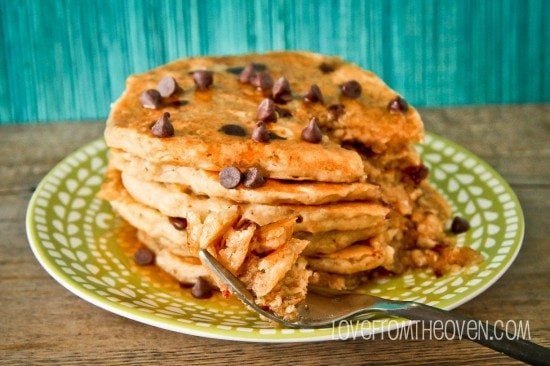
67	60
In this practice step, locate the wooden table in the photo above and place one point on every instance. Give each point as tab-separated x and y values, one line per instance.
41	322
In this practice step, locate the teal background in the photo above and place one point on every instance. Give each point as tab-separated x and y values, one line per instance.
67	60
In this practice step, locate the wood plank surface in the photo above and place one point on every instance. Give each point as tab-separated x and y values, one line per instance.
42	323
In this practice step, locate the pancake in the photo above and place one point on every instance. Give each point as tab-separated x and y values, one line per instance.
157	225
199	143
171	200
203	182
354	259
332	241
185	269
146	219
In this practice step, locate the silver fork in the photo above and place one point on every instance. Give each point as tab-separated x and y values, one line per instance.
324	308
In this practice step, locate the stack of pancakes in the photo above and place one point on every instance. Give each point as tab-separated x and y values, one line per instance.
290	167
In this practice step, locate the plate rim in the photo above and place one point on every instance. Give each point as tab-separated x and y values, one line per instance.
195	330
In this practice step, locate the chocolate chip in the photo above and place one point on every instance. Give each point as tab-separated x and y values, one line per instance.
237	70
201	289
266	111
253	178
179	103
233	130
168	86
179	223
398	105
283	112
335	111
312	133
262	80
326	68
260	133
459	225
314	95
203	79
144	257
351	89
247	74
281	91
415	173
260	67
299	219
230	177
358	146
245	223
274	136
150	99
163	127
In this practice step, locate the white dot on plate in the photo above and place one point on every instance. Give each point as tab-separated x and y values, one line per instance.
267	331
243	329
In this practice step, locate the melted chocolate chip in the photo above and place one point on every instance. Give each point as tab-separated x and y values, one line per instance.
203	79
326	68
179	103
301	234
179	223
351	89
312	133
253	178
299	219
237	70
415	173
150	99
260	133
144	257
266	111
259	67
358	146
201	289
245	223
247	74
168	86
230	177
398	105
262	80
335	111
163	127
233	130
281	91
314	95
283	112
459	225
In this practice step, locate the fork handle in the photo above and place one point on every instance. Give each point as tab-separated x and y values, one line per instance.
483	333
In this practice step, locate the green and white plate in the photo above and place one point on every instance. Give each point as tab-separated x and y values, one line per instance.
73	235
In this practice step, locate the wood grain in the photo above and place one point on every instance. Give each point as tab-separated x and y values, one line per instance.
42	323
67	60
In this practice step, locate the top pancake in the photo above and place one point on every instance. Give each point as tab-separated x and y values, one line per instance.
198	143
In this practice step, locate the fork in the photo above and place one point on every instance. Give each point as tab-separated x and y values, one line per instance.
323	308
